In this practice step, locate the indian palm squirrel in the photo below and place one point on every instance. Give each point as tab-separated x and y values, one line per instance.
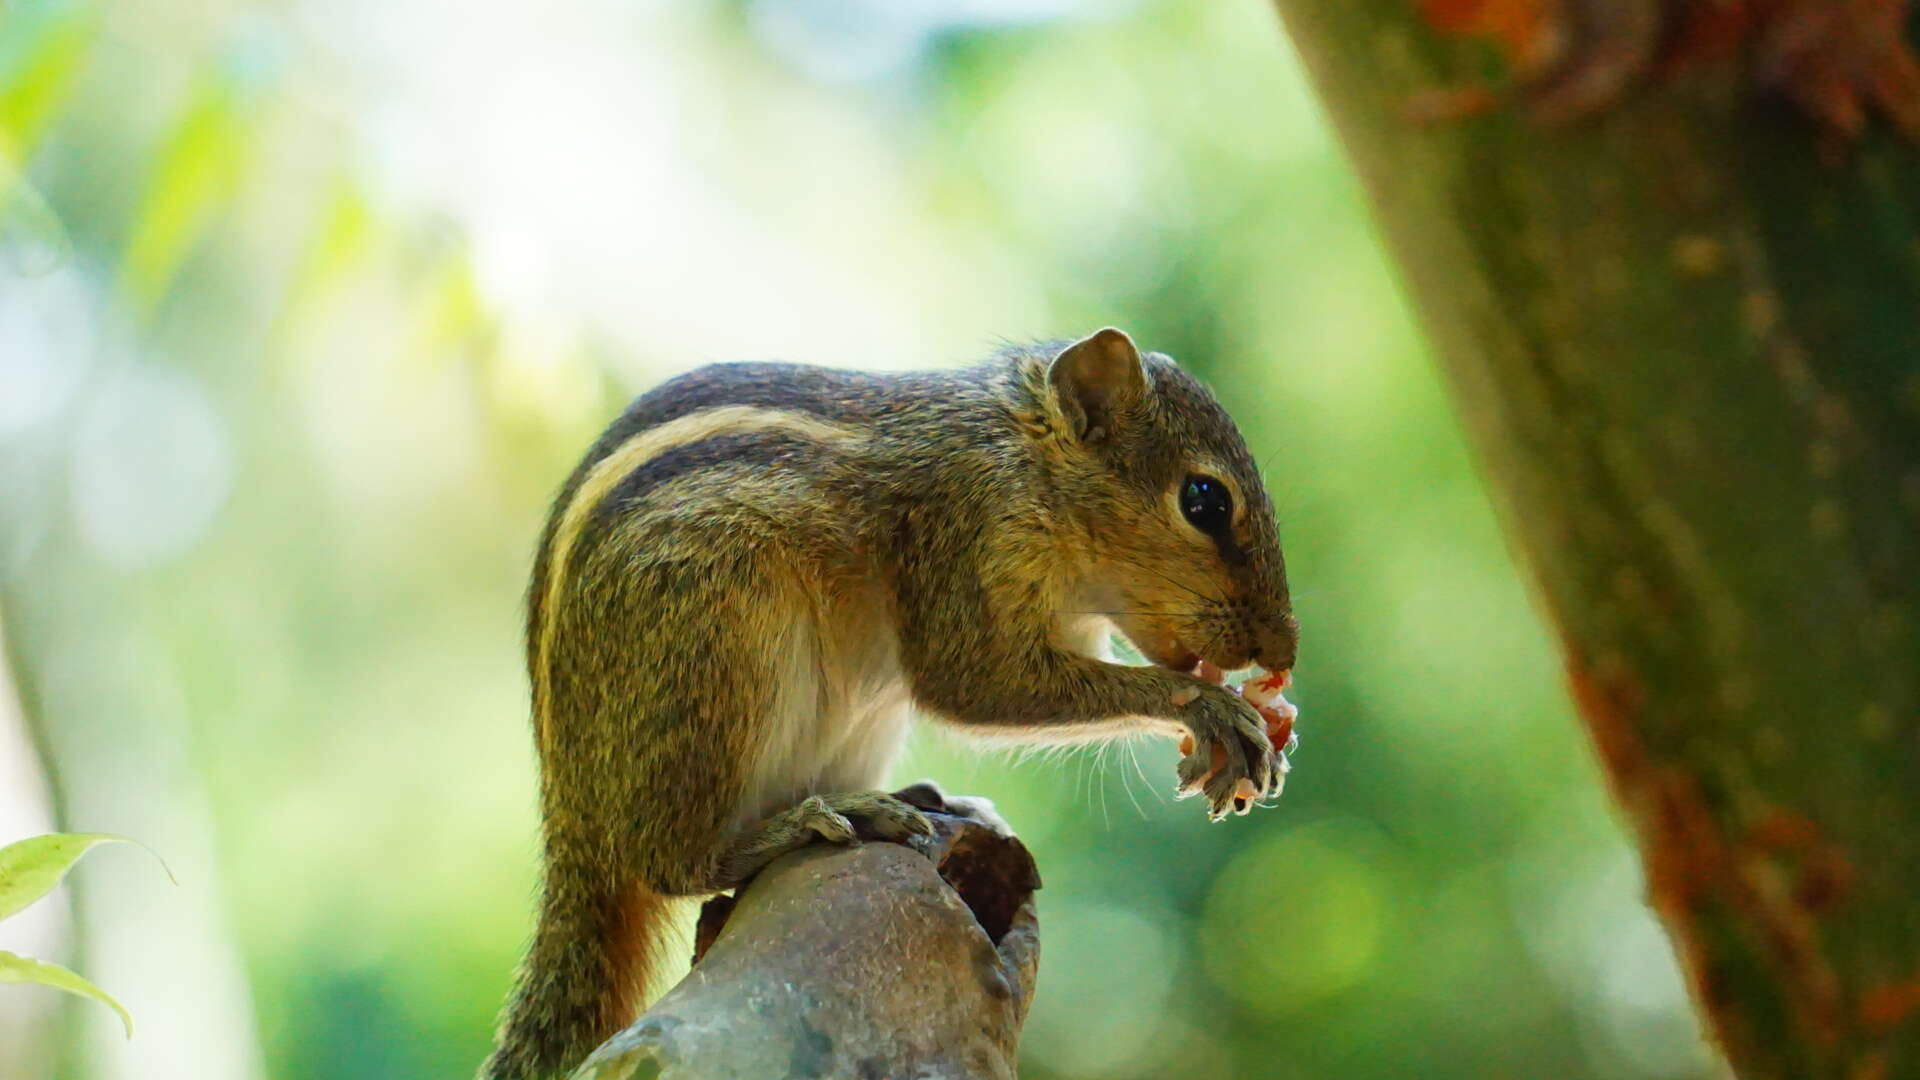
760	572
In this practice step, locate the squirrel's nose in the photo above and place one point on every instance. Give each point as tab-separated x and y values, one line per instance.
1278	645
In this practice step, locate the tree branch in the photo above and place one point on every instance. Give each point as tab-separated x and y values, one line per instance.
876	960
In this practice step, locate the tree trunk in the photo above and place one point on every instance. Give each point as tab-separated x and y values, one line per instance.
1672	271
876	960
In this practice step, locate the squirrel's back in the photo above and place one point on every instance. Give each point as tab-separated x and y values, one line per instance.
915	425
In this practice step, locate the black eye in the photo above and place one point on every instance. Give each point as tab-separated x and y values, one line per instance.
1206	504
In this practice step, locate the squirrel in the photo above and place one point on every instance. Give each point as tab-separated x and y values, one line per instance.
761	571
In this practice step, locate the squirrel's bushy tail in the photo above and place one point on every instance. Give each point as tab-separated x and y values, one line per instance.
595	945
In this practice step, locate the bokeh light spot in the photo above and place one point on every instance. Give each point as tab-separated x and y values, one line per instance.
1114	955
1298	917
151	466
46	334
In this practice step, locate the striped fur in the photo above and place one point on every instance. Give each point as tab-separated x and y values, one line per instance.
631	458
760	571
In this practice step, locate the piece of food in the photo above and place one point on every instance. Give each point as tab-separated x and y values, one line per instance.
1265	691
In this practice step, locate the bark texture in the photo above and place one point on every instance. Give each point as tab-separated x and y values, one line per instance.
1671	268
871	962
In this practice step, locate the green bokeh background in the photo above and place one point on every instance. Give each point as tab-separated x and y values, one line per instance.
307	307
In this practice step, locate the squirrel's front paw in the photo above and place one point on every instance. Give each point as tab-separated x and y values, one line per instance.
1228	755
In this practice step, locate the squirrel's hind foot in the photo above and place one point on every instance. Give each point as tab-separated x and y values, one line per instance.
839	818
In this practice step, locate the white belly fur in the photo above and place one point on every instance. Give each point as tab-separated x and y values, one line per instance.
841	711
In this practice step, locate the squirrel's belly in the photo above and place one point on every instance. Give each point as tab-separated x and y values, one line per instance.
842	710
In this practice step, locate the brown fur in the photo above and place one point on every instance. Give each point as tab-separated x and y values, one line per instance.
730	619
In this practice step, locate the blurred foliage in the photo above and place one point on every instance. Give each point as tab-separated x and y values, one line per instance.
29	870
307	307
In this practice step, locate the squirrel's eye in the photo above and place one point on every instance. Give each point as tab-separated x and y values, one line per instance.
1206	504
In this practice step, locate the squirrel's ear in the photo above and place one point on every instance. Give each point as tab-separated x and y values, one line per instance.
1095	379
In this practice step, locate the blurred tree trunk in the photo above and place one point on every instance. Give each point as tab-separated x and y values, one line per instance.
1670	264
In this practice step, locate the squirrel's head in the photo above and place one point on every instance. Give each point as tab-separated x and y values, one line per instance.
1184	554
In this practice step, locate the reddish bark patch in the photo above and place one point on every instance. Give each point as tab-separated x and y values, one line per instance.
1685	860
1824	875
1715	33
1784	830
1608	706
1769	881
1826	884
1518	27
1839	61
1890	1004
1688	864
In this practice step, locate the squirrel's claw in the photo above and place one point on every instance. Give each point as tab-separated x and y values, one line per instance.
1201	759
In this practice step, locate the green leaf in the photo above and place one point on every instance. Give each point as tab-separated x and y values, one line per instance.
199	168
20	969
40	60
31	868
